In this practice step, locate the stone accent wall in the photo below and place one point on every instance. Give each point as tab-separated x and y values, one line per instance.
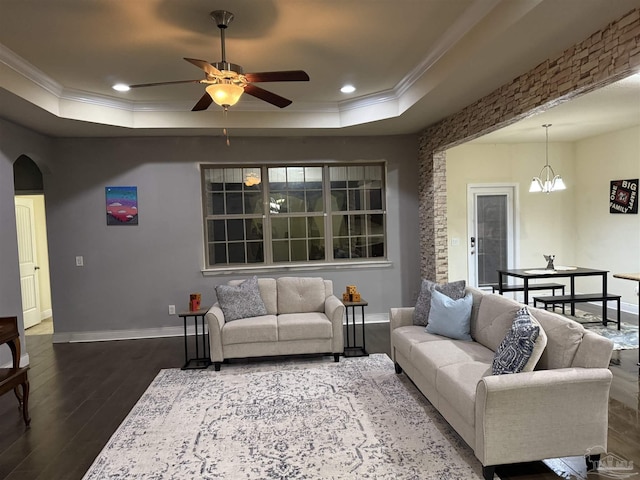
606	56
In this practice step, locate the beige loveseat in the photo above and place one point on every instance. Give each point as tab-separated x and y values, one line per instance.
302	316
559	409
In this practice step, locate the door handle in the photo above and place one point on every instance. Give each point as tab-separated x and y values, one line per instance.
36	268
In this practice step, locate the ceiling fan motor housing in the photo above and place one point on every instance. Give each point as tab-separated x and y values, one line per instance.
222	18
228	66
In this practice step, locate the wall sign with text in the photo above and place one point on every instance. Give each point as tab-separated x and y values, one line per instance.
623	196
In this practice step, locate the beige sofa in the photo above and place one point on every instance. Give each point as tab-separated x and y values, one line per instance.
303	316
559	409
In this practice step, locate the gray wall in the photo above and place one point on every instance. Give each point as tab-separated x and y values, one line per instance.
132	273
14	141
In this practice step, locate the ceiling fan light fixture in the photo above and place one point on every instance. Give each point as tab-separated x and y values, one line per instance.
225	93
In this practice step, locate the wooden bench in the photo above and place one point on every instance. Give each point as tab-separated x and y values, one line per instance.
579	298
532	286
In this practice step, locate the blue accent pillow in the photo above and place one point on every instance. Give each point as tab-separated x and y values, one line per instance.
450	318
516	348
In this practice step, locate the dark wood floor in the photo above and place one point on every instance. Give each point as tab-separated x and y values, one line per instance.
80	393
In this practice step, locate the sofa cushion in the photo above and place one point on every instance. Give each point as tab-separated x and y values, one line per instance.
449	317
303	326
454	290
538	348
404	338
429	357
251	330
517	347
241	301
563	339
494	320
300	294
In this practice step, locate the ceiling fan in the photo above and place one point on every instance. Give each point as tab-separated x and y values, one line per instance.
226	81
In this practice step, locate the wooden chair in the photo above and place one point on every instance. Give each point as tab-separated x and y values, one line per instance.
15	377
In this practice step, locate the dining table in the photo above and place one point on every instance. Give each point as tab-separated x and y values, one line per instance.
571	272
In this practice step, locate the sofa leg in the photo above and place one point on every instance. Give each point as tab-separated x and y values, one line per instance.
336	357
593	462
397	367
216	366
488	472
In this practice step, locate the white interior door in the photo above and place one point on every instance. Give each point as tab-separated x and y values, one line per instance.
492	225
25	224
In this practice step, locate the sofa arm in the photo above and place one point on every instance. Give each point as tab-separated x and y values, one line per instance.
334	310
542	414
215	322
400	317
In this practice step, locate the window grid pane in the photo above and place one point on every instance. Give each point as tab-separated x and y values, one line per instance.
303	217
357	189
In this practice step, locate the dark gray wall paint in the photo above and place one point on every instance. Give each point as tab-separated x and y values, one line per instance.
14	141
132	273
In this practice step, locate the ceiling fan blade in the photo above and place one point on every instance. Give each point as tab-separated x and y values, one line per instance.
203	103
162	83
284	76
206	66
267	96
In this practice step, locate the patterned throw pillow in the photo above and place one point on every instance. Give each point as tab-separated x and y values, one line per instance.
516	348
453	290
241	301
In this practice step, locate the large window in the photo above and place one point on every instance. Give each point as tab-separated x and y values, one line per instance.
270	215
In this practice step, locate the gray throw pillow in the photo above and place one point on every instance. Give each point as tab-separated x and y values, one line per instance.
453	290
516	348
241	301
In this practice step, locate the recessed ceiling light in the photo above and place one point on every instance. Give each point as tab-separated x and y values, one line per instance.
121	87
348	89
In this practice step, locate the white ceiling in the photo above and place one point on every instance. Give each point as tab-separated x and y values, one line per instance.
413	62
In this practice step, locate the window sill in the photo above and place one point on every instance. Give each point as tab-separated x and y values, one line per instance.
212	272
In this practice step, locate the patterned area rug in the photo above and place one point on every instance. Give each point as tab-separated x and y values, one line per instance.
624	339
304	419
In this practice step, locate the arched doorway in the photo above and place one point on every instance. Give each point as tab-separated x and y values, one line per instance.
32	246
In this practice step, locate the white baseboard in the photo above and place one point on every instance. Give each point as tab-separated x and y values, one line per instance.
44	314
177	331
371	318
624	306
109	335
24	361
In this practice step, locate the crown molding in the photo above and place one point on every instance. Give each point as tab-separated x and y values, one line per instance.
28	71
470	18
463	24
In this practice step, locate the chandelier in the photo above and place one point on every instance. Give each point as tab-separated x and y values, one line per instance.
547	181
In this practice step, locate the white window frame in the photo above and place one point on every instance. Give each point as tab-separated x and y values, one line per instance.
268	265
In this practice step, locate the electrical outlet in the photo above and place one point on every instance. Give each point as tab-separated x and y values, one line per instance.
172	309
79	261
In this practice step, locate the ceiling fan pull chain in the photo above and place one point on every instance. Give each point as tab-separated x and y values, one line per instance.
224	129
